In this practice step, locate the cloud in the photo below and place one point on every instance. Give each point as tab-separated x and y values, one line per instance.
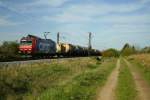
95	17
101	9
89	9
52	3
115	24
67	18
89	12
4	21
144	1
33	6
125	19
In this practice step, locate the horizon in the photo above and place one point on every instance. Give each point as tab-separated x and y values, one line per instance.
112	23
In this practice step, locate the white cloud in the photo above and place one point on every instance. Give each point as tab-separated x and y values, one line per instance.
67	18
81	18
144	1
125	19
115	24
33	5
90	12
53	3
4	21
106	19
101	9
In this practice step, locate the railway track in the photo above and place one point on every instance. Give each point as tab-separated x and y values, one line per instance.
23	62
31	61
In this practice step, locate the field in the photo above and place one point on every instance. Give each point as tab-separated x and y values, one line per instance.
86	78
62	79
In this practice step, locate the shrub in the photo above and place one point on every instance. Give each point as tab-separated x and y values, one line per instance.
128	50
9	51
110	53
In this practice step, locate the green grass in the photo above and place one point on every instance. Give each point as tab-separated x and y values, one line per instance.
60	80
126	87
17	81
82	86
27	81
143	69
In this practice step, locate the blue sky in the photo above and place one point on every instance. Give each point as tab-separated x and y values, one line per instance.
112	22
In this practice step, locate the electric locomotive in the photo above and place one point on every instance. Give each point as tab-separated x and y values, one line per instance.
35	46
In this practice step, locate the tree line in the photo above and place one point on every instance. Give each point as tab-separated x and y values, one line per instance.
127	50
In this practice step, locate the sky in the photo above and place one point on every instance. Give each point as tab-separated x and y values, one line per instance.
112	22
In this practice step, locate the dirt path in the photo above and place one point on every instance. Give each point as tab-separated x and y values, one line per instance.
142	87
107	91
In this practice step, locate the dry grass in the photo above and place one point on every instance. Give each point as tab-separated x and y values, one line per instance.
23	81
142	58
142	63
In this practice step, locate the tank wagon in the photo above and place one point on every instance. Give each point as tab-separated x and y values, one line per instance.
35	46
75	50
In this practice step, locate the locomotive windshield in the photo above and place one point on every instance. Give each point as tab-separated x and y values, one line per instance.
26	42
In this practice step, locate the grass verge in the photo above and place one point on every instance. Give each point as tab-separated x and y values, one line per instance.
82	86
126	87
28	81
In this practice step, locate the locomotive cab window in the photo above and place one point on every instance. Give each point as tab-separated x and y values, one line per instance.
26	42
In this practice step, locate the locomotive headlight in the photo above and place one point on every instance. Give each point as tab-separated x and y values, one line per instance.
28	51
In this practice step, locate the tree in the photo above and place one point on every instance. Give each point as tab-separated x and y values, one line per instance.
8	50
128	50
110	53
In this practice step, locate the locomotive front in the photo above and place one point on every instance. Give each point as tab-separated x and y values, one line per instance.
26	45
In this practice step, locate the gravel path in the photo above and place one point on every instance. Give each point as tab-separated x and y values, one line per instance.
108	90
142	87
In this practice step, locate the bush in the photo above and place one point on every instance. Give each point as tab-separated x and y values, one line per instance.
128	50
110	53
9	51
145	50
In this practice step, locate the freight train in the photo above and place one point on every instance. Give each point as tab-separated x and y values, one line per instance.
38	47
